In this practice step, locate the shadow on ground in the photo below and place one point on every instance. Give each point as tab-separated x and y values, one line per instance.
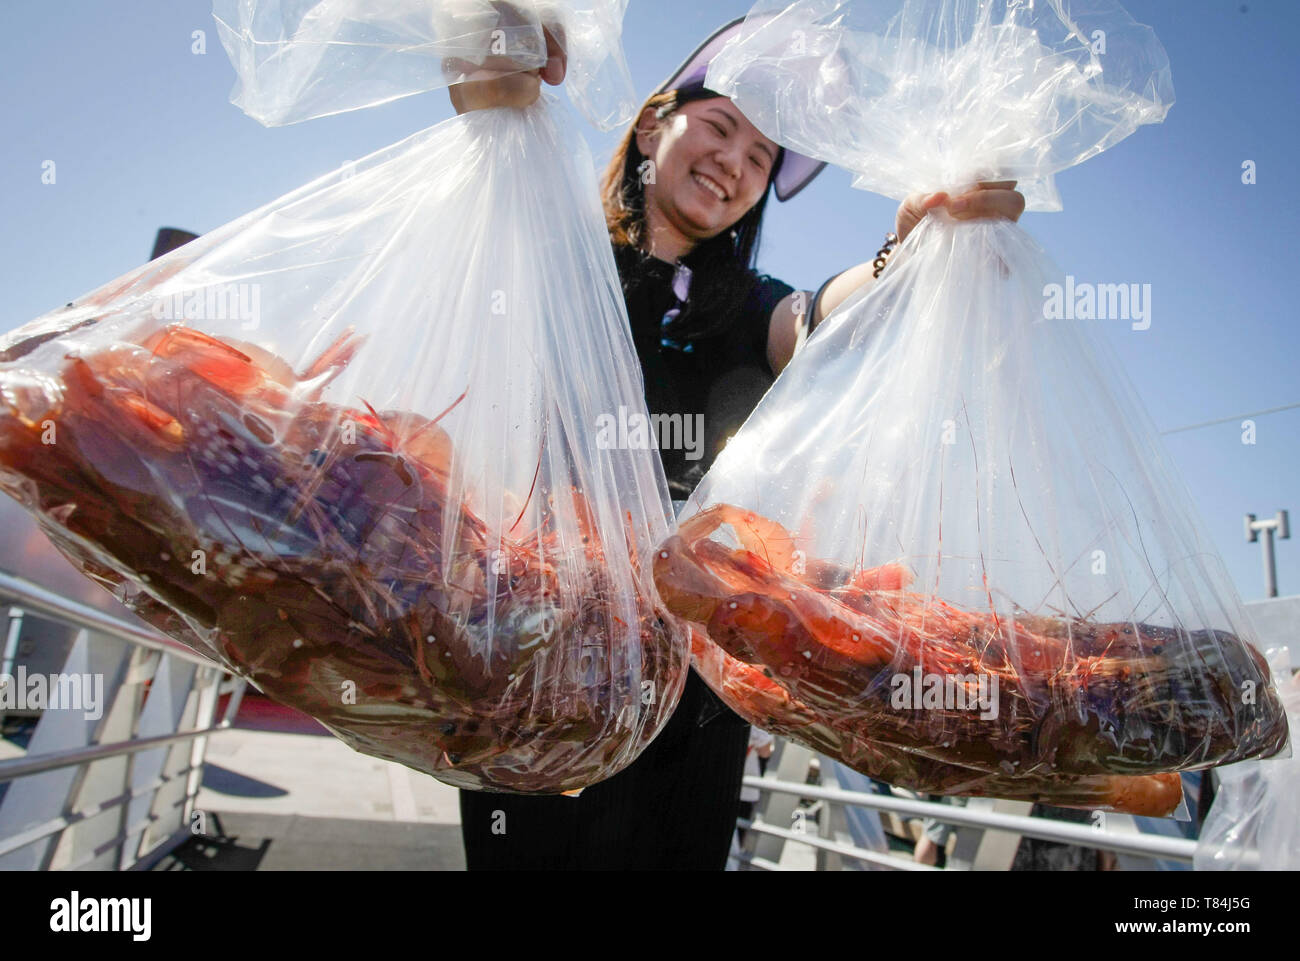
265	842
232	783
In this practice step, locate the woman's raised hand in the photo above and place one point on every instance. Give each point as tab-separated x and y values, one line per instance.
991	200
502	88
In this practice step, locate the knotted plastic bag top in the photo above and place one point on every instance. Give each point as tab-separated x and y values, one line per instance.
937	94
299	59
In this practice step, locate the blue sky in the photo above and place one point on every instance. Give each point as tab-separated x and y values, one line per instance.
143	136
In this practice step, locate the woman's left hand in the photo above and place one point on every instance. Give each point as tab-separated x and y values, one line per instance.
988	201
995	200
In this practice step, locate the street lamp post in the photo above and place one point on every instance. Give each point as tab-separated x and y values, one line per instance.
1280	524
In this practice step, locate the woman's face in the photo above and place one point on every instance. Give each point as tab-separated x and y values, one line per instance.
711	166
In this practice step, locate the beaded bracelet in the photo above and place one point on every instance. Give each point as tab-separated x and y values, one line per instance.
882	255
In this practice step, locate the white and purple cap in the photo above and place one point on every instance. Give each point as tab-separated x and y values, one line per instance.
794	171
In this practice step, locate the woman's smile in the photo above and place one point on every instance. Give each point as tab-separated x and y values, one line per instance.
710	186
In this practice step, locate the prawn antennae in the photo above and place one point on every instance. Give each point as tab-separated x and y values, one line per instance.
536	473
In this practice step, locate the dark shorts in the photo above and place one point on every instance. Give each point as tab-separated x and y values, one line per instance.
674	808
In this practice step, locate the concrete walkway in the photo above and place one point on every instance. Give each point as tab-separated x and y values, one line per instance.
289	842
304	801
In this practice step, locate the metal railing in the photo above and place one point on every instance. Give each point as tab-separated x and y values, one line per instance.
118	791
763	849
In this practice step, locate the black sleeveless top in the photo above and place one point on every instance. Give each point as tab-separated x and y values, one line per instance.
713	384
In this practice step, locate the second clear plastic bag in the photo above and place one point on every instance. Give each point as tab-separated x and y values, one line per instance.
948	532
1254	823
347	444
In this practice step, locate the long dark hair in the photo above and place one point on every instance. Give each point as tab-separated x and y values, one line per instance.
722	273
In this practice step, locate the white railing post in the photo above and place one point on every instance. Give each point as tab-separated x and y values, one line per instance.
118	791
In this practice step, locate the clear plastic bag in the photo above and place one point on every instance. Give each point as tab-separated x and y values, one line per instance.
752	691
940	94
1254	823
299	59
948	530
347	445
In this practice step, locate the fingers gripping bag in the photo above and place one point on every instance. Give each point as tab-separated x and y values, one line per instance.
345	444
947	541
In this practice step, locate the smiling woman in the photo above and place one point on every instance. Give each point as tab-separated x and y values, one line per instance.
684	196
710	145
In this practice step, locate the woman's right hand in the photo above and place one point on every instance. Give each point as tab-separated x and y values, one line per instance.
990	200
518	89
